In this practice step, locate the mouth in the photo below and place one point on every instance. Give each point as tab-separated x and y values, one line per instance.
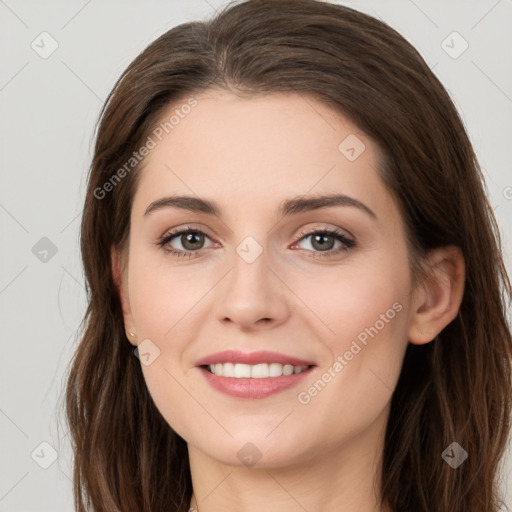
253	375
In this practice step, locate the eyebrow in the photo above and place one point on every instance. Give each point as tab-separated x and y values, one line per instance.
287	207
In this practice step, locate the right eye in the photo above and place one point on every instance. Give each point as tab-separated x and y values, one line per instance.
190	239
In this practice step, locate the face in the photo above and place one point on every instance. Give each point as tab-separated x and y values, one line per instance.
323	290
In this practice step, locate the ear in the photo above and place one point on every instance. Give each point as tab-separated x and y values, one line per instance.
437	300
121	281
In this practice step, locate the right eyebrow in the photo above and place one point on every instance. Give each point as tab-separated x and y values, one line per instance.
193	204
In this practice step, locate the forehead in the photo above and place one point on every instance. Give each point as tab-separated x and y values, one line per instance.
254	149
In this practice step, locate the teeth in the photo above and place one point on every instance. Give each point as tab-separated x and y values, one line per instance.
241	370
256	371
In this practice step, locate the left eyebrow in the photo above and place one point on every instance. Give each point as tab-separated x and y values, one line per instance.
302	204
287	207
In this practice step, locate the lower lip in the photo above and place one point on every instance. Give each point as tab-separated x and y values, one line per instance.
254	388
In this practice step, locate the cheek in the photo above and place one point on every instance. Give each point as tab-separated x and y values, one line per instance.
367	310
349	301
162	307
165	303
361	318
161	297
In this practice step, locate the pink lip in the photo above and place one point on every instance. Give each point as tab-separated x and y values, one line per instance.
253	388
248	387
262	356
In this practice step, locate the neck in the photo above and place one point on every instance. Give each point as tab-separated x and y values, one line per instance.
342	478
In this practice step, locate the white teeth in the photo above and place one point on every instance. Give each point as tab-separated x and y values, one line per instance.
227	369
259	371
287	369
242	370
256	371
275	370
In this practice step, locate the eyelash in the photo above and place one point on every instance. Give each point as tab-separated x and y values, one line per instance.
338	235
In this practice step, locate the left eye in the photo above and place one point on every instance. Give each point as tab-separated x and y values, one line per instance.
324	241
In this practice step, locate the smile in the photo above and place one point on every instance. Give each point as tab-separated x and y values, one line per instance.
253	375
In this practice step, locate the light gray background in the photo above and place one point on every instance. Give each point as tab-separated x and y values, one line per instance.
48	110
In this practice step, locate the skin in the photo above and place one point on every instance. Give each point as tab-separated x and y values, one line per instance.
248	155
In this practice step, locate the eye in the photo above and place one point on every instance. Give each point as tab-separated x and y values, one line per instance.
190	239
323	241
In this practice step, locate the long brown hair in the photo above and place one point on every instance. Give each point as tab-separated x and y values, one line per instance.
456	388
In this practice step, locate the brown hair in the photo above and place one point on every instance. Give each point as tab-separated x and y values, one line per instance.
455	388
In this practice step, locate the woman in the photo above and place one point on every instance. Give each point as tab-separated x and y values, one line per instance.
296	290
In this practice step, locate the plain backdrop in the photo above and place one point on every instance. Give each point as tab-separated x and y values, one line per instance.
59	61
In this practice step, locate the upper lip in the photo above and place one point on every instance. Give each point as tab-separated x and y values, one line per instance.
252	358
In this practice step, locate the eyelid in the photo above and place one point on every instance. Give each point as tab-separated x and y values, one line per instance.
185	228
324	229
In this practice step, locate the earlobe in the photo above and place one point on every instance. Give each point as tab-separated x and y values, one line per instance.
438	298
120	280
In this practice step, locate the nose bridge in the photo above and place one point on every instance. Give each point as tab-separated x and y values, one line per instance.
252	291
250	268
249	250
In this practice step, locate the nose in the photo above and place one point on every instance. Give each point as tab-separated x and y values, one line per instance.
253	295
